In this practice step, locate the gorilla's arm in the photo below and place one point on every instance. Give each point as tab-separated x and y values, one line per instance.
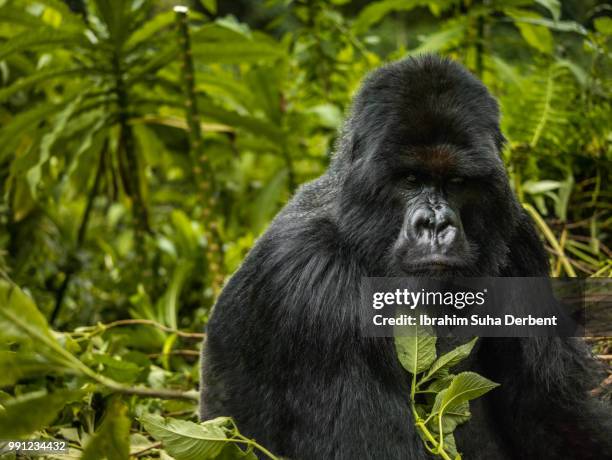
544	408
289	363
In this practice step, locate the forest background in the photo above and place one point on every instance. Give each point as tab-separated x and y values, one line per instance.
143	150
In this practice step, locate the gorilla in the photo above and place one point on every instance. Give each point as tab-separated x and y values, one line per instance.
416	188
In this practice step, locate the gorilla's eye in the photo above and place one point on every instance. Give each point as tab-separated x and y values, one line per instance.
457	180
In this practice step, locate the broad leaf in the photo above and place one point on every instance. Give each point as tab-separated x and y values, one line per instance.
186	440
26	414
17	309
553	6
34	174
112	439
451	419
418	352
537	36
118	370
464	387
441	366
450	446
25	364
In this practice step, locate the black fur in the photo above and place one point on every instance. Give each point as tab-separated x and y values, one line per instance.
284	354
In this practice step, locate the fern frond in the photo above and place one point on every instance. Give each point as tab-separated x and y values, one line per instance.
542	106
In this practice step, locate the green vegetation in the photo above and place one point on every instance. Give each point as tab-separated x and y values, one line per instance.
143	150
439	399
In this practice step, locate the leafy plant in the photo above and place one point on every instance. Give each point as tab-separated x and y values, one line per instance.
439	400
104	217
213	439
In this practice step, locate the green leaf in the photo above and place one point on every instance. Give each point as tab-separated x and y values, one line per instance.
260	128
186	440
91	140
221	43
210	5
441	366
69	18
329	115
41	76
40	40
116	16
374	12
603	25
553	6
152	65
31	412
533	187
464	387
112	440
170	300
451	419
579	73
416	353
18	307
223	29
34	174
186	233
267	202
233	452
445	39
450	446
22	323
537	36
25	364
16	129
151	28
440	383
236	53
116	369
17	16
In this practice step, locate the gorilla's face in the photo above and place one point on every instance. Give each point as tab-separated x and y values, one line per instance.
444	203
425	191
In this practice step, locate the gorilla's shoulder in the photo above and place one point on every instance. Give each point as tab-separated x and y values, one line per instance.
313	200
308	220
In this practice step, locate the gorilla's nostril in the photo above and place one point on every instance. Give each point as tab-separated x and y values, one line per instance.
442	226
422	221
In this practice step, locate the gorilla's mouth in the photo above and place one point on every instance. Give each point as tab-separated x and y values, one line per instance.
434	263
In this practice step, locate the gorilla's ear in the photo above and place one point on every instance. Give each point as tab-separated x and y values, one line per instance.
527	256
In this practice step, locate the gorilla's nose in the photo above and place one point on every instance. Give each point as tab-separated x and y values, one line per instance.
439	222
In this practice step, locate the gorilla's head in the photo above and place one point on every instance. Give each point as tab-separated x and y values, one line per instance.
424	190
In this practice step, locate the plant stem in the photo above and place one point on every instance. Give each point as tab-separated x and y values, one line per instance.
252	442
202	172
130	170
421	426
72	362
101	328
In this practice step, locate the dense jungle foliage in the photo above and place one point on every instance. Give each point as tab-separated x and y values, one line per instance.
143	149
